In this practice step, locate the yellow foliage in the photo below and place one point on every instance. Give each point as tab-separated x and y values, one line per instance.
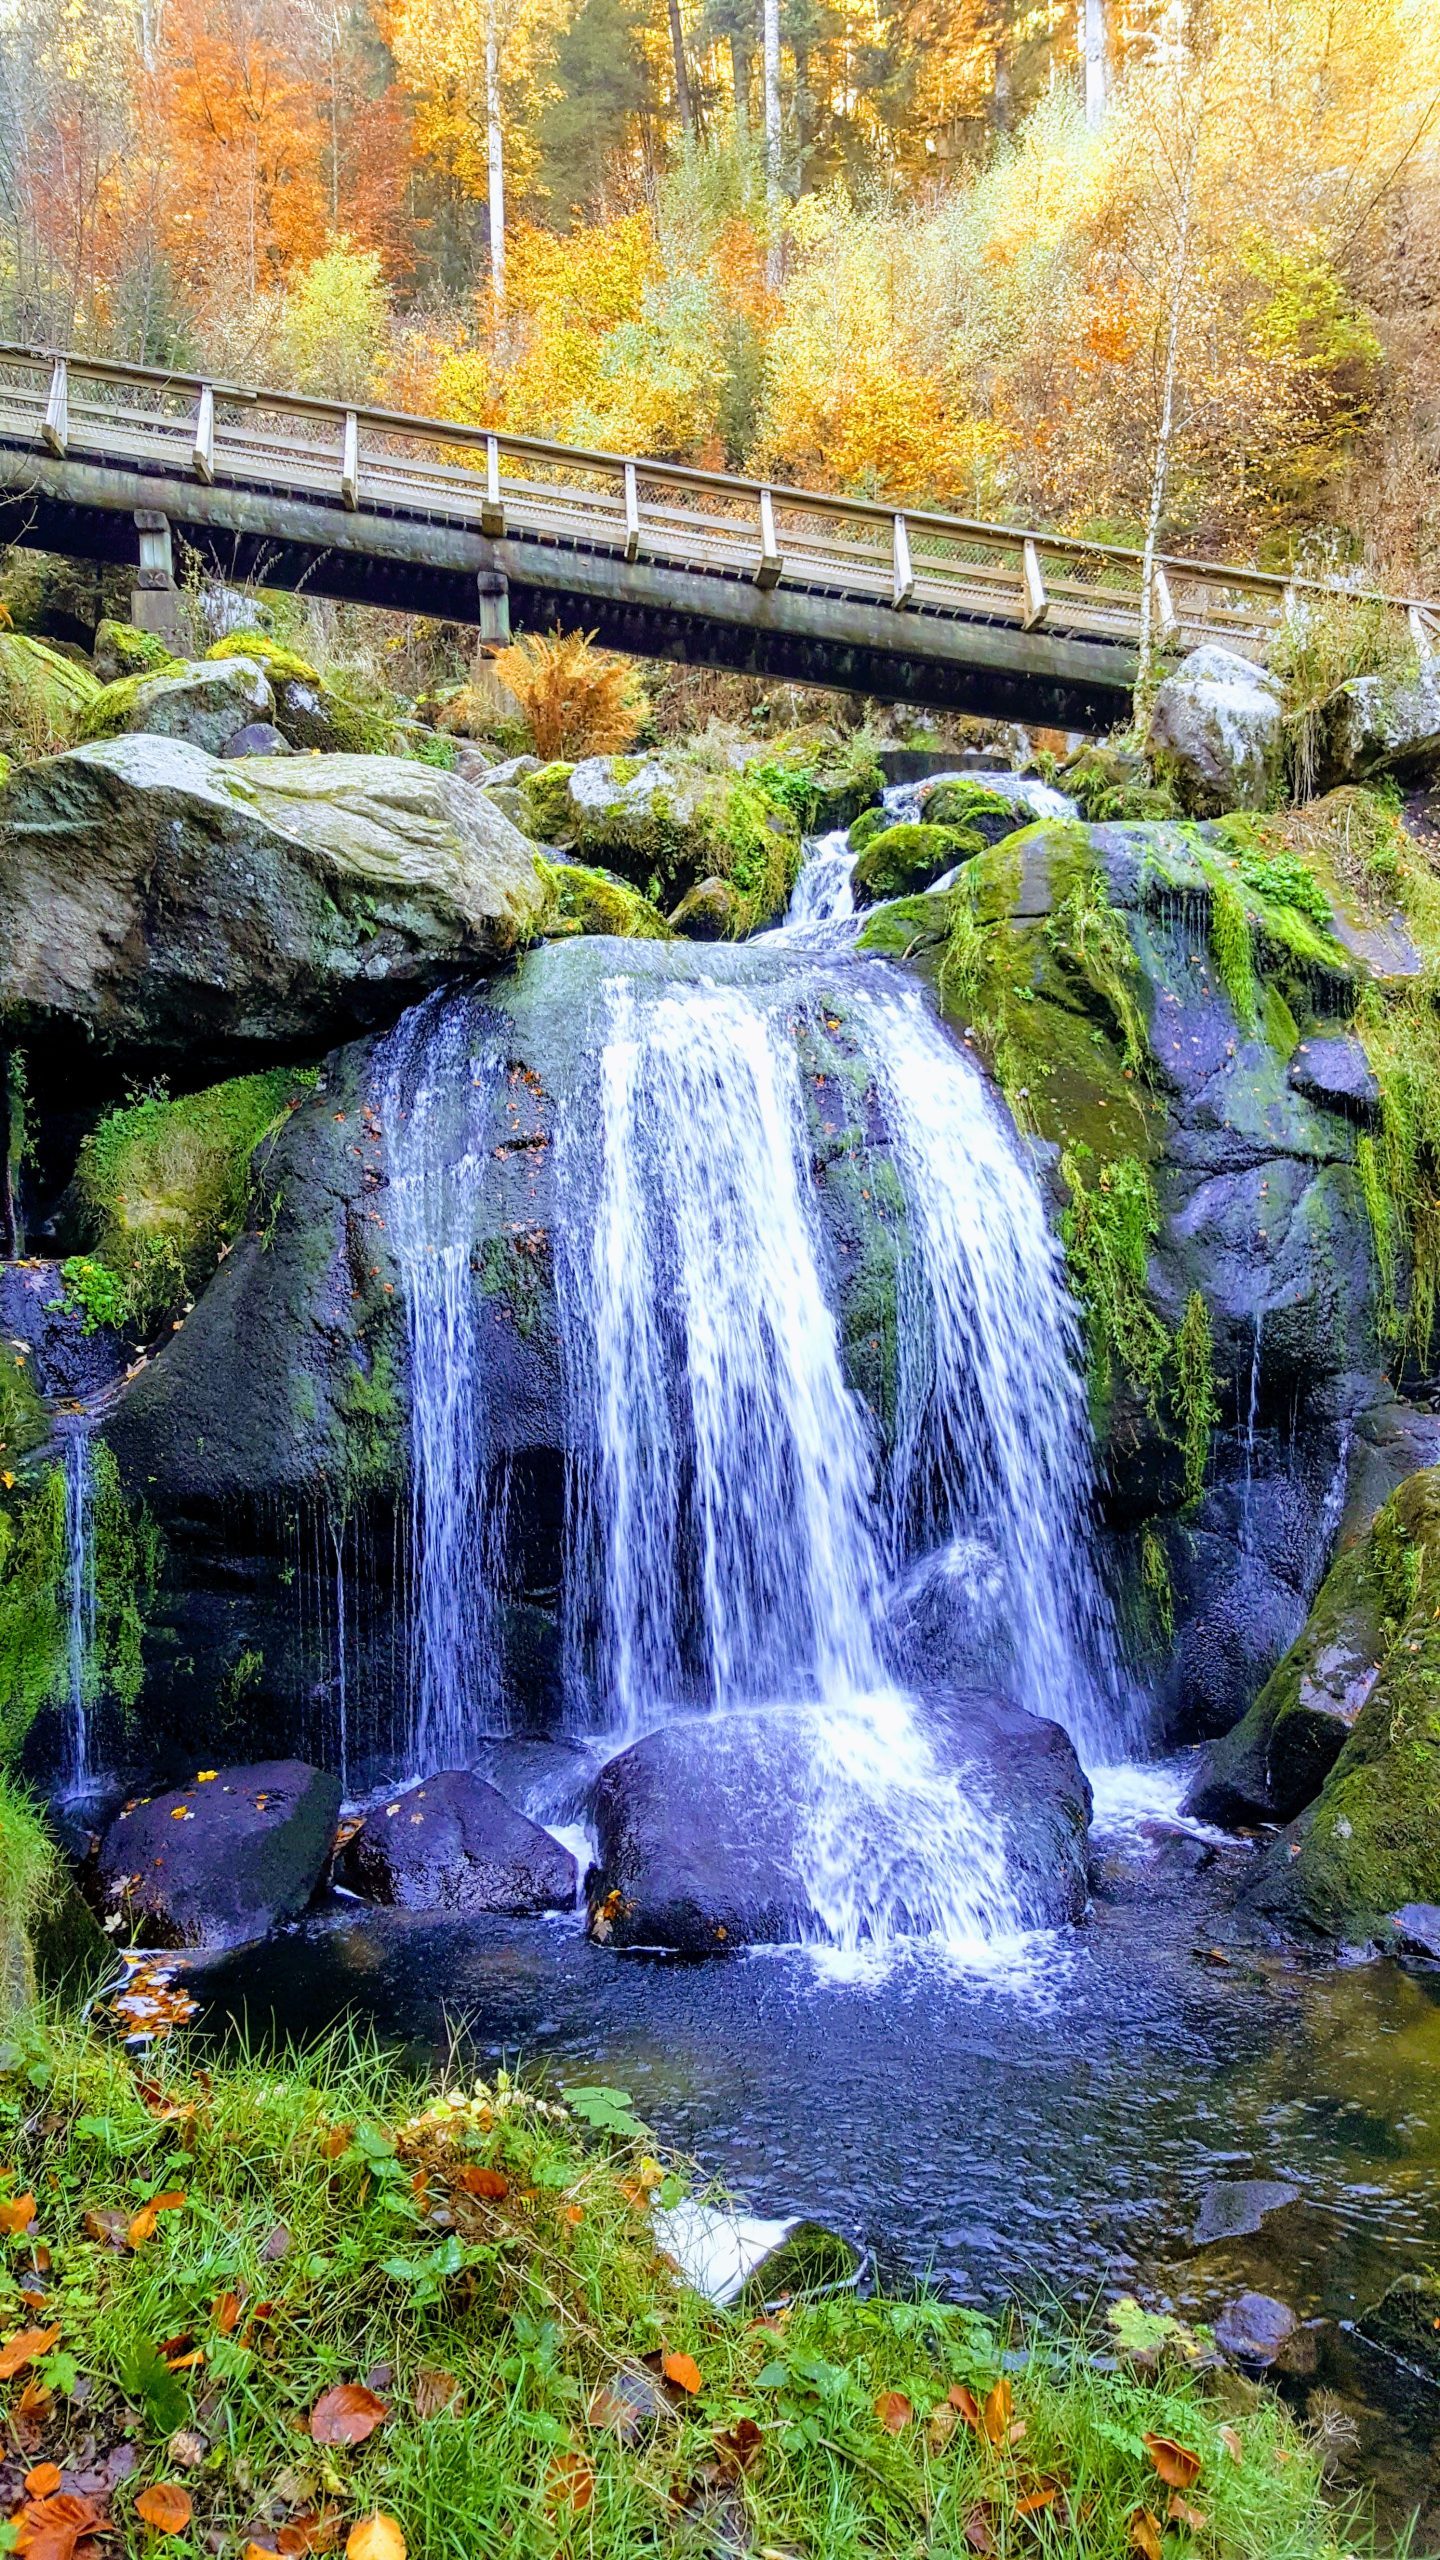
578	700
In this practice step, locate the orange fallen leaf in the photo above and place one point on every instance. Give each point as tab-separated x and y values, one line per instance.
347	2414
17	2215
1175	2463
141	2226
44	2480
574	2213
337	2140
1230	2438
166	2507
1145	2534
569	2482
995	2416
225	2311
24	2347
961	2397
173	2200
683	2371
491	2183
1180	2512
1036	2500
894	2412
50	2528
375	2537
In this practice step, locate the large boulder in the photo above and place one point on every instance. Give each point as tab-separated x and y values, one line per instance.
225	1859
1370	1842
202	704
43	694
1382	725
1216	732
666	825
169	911
454	1844
770	1824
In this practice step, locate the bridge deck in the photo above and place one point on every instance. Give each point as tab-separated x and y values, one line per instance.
377	506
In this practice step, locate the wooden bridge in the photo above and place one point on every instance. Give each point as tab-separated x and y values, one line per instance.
123	463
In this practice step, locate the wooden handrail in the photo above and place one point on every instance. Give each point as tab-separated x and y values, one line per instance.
754	501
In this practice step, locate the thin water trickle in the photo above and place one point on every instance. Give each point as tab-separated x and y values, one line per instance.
80	1596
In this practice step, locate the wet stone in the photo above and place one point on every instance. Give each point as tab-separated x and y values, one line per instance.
1236	2208
223	1860
1255	2329
455	1844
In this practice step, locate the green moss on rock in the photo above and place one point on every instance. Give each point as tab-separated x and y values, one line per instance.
164	1187
898	860
35	1667
581	900
43	695
122	649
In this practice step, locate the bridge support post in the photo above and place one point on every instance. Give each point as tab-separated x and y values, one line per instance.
493	591
155	599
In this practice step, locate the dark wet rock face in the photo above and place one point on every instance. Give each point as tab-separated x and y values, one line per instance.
70	1364
1417	1930
707	1836
454	1844
225	1859
1255	2329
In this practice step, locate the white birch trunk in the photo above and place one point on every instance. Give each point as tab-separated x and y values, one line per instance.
1095	63
774	260
495	158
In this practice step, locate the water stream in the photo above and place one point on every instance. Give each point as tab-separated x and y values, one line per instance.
80	1596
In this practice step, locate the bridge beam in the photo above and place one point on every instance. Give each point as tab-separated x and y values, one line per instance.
430	566
155	599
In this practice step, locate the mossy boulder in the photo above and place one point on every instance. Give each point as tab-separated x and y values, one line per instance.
202	704
1382	726
168	909
44	695
582	900
320	714
121	649
1371	1841
870	823
667	823
1110	785
969	802
912	855
713	911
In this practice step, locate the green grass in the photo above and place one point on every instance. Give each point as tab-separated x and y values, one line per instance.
27	1870
829	2430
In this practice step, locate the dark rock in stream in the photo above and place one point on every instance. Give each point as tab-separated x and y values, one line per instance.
1406	2323
1417	1930
711	1830
225	1859
1236	2208
1255	2329
454	1844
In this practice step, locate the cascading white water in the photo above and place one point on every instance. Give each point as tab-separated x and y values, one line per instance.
992	1438
436	1092
734	1528
80	1597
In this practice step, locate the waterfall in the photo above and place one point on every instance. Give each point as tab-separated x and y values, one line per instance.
80	1596
438	1081
992	1438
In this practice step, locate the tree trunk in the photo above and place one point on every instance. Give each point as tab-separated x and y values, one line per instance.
740	77
774	264
1096	68
1165	437
683	101
495	155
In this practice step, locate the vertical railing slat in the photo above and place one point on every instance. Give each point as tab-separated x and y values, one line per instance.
203	454
55	427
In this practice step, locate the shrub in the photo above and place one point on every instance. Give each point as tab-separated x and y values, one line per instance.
577	700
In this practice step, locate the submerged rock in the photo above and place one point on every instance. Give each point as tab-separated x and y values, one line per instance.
454	1844
1236	2208
1406	2322
166	909
1255	2329
225	1859
724	1831
1217	731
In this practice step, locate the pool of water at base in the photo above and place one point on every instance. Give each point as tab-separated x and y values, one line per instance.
1046	2133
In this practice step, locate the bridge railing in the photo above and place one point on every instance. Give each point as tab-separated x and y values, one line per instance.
712	524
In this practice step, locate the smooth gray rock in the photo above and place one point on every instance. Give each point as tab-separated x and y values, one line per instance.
167	910
1417	1929
1255	2329
1217	730
203	704
1236	2208
1382	725
220	1861
454	1844
257	738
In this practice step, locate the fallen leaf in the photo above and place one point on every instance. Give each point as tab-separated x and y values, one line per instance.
50	2528
166	2507
1178	2512
225	2311
187	2448
336	2141
739	2447
995	2416
435	2389
894	2412
940	2427
683	2371
574	2213
32	2408
569	2482
1036	2500
961	2397
1230	2438
141	2226
491	2183
346	2414
44	2480
1145	2534
1176	2465
173	2201
979	2530
376	2537
17	2215
108	2224
275	2244
24	2347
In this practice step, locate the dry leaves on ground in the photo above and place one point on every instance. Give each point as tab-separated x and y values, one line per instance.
347	2414
165	2507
